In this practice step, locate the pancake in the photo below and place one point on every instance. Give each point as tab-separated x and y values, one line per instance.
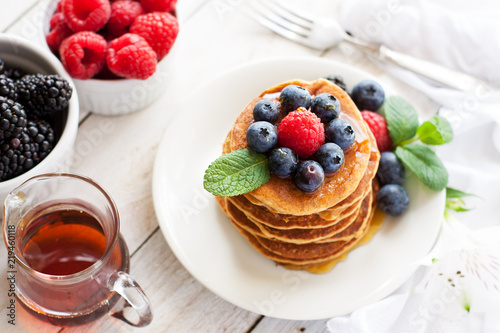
297	235
336	250
262	215
304	230
319	220
326	218
282	196
314	251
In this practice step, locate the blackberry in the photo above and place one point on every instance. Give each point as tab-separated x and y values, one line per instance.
338	80
2	66
12	119
42	136
43	95
7	87
19	155
13	73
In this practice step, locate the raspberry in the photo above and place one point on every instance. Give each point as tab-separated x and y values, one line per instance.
378	126
131	56
57	18
87	15
123	13
159	5
59	6
83	54
59	31
158	29
301	131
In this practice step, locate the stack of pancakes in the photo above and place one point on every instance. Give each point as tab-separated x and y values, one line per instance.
302	230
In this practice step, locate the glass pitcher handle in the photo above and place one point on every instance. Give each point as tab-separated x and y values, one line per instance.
130	290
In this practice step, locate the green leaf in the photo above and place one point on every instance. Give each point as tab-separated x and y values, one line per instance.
238	172
425	164
401	117
452	193
454	200
435	131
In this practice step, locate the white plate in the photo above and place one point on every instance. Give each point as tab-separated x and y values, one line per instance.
215	253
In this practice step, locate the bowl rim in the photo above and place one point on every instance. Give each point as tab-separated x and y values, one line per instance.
96	93
70	128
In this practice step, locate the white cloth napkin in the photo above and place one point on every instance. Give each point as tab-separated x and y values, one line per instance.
460	34
464	35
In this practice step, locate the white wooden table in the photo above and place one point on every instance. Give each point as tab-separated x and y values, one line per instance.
214	36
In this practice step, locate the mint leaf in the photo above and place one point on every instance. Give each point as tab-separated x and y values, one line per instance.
401	117
435	131
425	164
238	172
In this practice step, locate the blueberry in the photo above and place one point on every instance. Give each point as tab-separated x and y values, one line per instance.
338	80
309	176
266	110
368	95
326	107
330	156
390	169
392	199
341	132
262	136
283	162
292	97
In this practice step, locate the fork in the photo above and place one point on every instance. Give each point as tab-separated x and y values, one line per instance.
323	34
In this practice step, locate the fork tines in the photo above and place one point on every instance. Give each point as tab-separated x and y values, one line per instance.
280	18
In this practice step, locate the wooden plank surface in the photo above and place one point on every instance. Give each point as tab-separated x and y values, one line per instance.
13	10
180	303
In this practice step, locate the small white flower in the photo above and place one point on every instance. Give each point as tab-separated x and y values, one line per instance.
462	285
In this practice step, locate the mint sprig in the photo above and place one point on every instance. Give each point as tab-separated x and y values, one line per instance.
425	164
401	117
405	132
435	131
240	171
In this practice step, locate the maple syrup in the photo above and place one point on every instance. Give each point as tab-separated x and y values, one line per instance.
64	242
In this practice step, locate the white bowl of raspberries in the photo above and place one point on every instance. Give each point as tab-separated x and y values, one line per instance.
117	52
39	112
